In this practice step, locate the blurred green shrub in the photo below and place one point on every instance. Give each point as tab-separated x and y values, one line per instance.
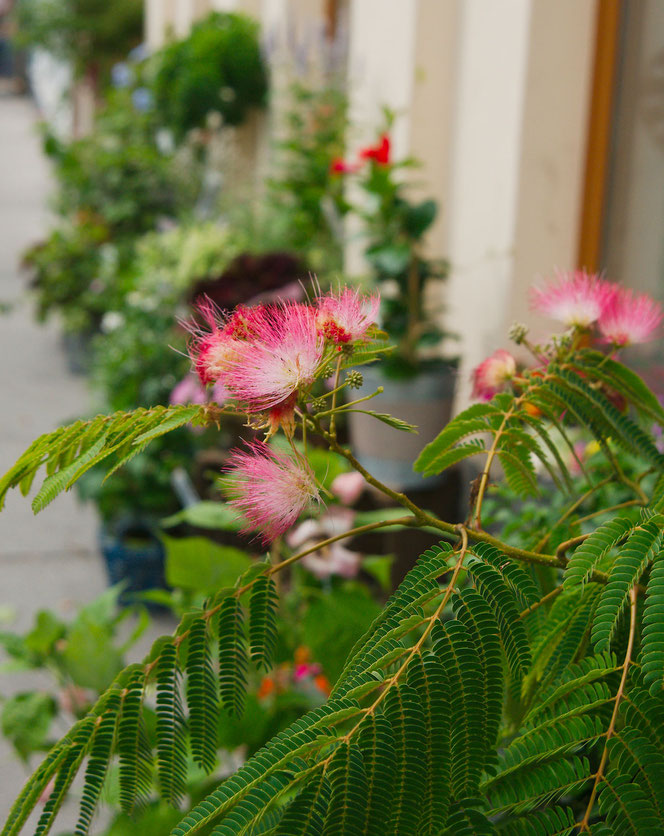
217	68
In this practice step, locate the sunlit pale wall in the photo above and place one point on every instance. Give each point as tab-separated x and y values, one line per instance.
493	98
499	96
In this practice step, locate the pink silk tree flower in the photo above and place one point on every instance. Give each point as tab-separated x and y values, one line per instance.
348	486
630	318
263	356
269	489
575	299
346	316
492	375
188	390
285	356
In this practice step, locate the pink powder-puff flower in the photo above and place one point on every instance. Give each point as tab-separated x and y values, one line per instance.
492	375
348	486
266	371
630	318
576	299
346	316
269	489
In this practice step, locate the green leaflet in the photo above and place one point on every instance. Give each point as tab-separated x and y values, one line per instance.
592	551
201	697
67	453
98	761
376	742
233	657
263	621
640	549
171	741
652	641
348	784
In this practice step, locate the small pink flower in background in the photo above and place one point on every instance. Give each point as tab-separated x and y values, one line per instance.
188	390
492	375
348	486
346	316
334	559
630	318
270	489
575	299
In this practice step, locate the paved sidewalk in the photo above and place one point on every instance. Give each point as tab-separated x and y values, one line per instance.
48	561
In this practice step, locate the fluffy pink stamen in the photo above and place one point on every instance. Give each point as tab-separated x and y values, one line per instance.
493	374
346	316
630	318
575	299
269	489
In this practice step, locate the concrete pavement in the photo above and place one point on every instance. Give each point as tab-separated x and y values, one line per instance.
48	561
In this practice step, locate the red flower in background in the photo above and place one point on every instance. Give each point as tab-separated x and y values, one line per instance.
340	166
380	152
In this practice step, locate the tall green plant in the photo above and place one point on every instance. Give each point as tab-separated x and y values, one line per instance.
503	688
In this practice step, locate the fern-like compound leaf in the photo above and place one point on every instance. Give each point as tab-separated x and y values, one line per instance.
233	657
202	699
171	741
492	586
640	549
305	815
453	646
263	621
65	776
593	550
625	806
100	752
376	742
475	614
406	717
348	782
428	678
652	640
68	452
133	775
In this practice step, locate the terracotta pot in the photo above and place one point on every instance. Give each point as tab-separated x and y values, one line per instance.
425	401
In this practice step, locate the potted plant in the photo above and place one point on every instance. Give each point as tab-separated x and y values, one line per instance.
421	382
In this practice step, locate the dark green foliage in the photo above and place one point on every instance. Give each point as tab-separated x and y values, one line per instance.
652	641
592	551
133	774
476	702
202	696
263	621
171	745
348	783
232	655
98	760
218	67
639	550
376	741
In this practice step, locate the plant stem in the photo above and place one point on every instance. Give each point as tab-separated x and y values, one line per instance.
333	429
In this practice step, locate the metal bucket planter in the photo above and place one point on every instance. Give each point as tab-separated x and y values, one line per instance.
425	401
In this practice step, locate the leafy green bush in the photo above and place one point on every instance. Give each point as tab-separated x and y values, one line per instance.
91	34
218	67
